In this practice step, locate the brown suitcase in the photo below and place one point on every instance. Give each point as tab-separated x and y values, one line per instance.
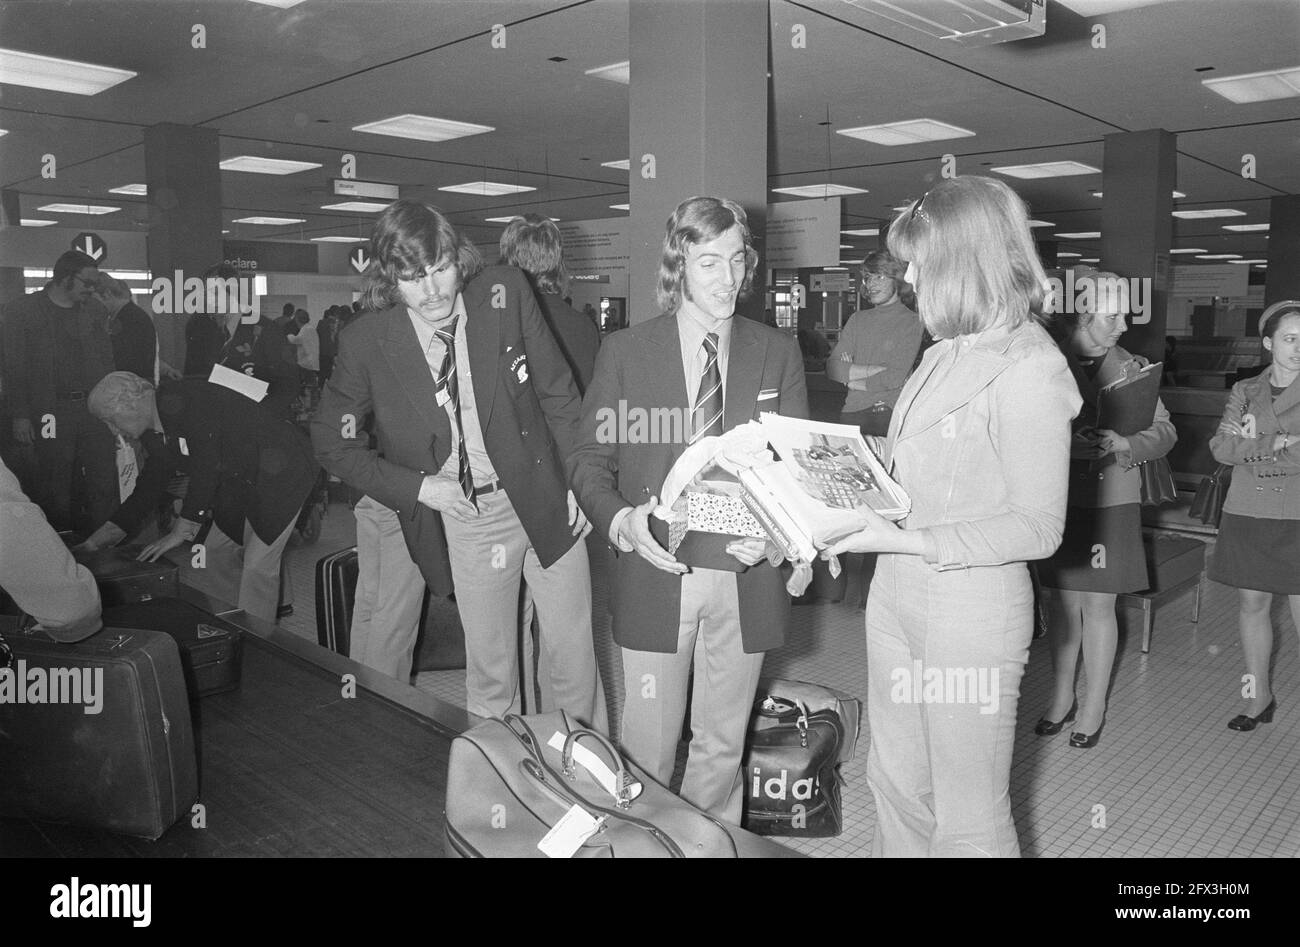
211	648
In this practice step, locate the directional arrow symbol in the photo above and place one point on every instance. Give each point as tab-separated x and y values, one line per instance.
359	259
92	245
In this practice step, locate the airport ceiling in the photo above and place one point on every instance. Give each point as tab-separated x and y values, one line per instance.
292	83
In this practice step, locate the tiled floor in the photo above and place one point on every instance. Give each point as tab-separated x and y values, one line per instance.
1168	778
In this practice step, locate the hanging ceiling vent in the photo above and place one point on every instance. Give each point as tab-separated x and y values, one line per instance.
965	22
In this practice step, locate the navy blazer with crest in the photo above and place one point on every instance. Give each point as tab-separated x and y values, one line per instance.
528	409
641	368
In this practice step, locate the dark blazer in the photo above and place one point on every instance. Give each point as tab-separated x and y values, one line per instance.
30	351
641	367
134	341
244	463
528	411
1264	483
578	337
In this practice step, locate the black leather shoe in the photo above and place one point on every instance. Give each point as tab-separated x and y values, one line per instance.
1244	723
1085	741
1045	727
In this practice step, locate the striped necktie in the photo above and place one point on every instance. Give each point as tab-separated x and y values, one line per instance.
449	390
706	419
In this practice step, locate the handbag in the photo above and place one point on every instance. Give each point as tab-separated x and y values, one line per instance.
791	770
1207	504
1158	485
511	781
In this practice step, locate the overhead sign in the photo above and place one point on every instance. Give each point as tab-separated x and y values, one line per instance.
831	282
265	256
803	234
1191	280
598	251
91	244
359	259
344	187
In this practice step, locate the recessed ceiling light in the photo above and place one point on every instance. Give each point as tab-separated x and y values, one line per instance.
1177	194
58	75
835	269
627	207
614	72
1041	223
282	4
847	246
862	232
365	207
1047	169
910	132
819	190
269	221
1081	235
423	128
1205	214
486	188
36	222
135	190
1219	256
225	231
1090	259
1246	228
78	209
1062	253
506	220
623	165
1248	261
1190	250
337	239
251	164
1261	266
1257	86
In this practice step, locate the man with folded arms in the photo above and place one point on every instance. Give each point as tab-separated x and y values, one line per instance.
473	409
698	361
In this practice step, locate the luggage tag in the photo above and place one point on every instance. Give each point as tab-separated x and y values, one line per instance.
568	835
596	766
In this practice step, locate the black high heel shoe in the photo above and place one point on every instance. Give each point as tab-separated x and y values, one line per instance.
1086	741
1243	723
1045	727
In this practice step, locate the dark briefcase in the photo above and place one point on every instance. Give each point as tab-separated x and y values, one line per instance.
212	650
97	733
441	642
122	580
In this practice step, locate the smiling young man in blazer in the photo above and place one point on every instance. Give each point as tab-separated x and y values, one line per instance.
699	362
473	409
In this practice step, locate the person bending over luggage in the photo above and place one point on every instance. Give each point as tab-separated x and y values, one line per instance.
250	473
39	573
125	402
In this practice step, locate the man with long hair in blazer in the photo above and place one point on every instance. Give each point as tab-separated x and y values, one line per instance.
473	409
699	362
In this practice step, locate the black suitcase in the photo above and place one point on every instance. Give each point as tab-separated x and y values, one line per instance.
212	649
441	644
117	754
122	580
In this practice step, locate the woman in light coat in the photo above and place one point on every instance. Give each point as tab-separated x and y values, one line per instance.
980	439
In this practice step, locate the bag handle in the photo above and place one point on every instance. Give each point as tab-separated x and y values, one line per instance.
622	790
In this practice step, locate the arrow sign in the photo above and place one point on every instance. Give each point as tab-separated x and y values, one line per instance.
91	244
359	259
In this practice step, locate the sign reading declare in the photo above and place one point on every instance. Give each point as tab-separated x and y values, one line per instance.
803	234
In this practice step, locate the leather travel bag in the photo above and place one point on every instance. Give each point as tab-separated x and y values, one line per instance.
511	781
98	733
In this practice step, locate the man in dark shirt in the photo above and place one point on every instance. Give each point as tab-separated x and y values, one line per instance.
56	350
130	328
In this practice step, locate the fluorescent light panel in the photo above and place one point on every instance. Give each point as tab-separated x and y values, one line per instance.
252	164
269	221
614	72
1064	254
1046	169
34	222
365	207
135	190
1041	223
1081	235
1248	261
282	4
862	232
3	132
94	209
337	239
1189	250
620	207
1091	259
624	165
506	220
423	128
911	132
1177	194
1246	228
820	190
486	188
1257	86
1219	256
1208	213
58	75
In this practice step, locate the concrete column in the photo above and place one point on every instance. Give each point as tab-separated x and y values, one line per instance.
184	180
1283	250
1137	226
11	277
698	108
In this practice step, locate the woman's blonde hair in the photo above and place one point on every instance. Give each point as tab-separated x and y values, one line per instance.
977	265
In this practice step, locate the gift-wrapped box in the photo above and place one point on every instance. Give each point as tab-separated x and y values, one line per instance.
707	519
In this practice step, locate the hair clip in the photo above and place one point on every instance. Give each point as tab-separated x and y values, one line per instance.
917	212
